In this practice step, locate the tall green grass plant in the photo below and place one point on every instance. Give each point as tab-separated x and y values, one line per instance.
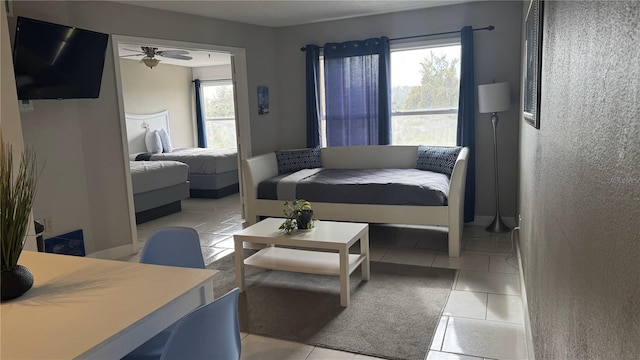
17	191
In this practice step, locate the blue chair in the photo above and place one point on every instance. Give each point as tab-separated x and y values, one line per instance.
170	246
209	332
173	246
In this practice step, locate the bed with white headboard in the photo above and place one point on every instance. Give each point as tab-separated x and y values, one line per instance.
213	173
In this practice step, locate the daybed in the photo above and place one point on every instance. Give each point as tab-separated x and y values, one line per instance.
158	188
447	197
212	173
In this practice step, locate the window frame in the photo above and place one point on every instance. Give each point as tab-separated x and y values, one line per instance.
397	114
424	44
220	82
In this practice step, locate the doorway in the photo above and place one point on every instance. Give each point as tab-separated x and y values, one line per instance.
199	54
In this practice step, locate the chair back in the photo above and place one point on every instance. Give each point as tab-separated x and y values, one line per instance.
173	246
209	332
170	246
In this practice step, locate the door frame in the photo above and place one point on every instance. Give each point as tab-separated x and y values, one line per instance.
241	90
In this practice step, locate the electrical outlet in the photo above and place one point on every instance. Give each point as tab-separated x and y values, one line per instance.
48	224
25	105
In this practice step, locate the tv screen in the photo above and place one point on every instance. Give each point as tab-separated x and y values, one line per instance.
53	61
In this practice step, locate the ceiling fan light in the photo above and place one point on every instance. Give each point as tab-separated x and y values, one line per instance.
150	62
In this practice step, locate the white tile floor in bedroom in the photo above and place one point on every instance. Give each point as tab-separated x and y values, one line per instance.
483	318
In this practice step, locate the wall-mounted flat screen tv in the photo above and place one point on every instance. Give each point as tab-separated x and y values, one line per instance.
53	61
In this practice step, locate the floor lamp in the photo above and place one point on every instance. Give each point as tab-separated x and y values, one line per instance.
493	98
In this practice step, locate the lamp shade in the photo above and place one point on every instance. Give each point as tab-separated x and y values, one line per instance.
494	97
150	62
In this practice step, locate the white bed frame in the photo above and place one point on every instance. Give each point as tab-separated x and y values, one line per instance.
263	167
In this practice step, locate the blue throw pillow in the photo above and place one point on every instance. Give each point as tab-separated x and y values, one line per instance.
294	160
437	158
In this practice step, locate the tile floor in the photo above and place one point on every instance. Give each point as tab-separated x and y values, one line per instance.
483	318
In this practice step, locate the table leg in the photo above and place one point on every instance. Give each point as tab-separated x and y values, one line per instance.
344	277
239	260
364	250
207	293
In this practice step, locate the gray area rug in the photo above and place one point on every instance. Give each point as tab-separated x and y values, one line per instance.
393	315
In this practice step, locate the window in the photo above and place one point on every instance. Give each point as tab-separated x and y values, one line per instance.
323	106
219	114
425	82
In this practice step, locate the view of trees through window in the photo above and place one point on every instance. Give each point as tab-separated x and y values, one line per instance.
425	82
424	95
219	114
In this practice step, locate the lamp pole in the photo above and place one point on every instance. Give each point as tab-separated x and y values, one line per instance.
497	226
493	98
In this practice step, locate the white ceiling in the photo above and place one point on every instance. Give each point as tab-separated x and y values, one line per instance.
291	12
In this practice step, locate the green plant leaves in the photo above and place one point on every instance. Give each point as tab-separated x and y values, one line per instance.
17	191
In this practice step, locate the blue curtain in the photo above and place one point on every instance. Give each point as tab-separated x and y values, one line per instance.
313	81
384	104
357	92
466	119
200	125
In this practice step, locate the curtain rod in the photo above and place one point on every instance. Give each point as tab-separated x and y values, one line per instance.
489	28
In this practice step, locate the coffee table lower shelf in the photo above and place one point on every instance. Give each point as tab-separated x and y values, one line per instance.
304	261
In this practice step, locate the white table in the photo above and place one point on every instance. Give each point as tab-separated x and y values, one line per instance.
326	235
100	309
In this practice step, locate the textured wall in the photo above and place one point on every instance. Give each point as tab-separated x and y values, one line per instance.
580	185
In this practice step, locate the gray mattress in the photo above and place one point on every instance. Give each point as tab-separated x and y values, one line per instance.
365	186
203	161
152	175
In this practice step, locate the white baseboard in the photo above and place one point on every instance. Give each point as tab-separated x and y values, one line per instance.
486	220
528	336
114	253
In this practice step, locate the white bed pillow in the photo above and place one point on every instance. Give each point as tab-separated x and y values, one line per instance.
153	142
166	141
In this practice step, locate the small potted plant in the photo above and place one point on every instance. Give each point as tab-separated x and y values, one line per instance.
298	214
17	191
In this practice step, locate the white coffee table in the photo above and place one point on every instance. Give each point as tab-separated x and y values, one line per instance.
326	235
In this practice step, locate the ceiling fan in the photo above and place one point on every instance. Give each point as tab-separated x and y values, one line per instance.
150	54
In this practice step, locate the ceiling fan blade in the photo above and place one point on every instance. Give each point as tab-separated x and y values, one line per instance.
179	57
170	53
131	55
134	50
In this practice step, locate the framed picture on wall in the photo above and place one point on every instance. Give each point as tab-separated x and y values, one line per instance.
263	100
533	66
